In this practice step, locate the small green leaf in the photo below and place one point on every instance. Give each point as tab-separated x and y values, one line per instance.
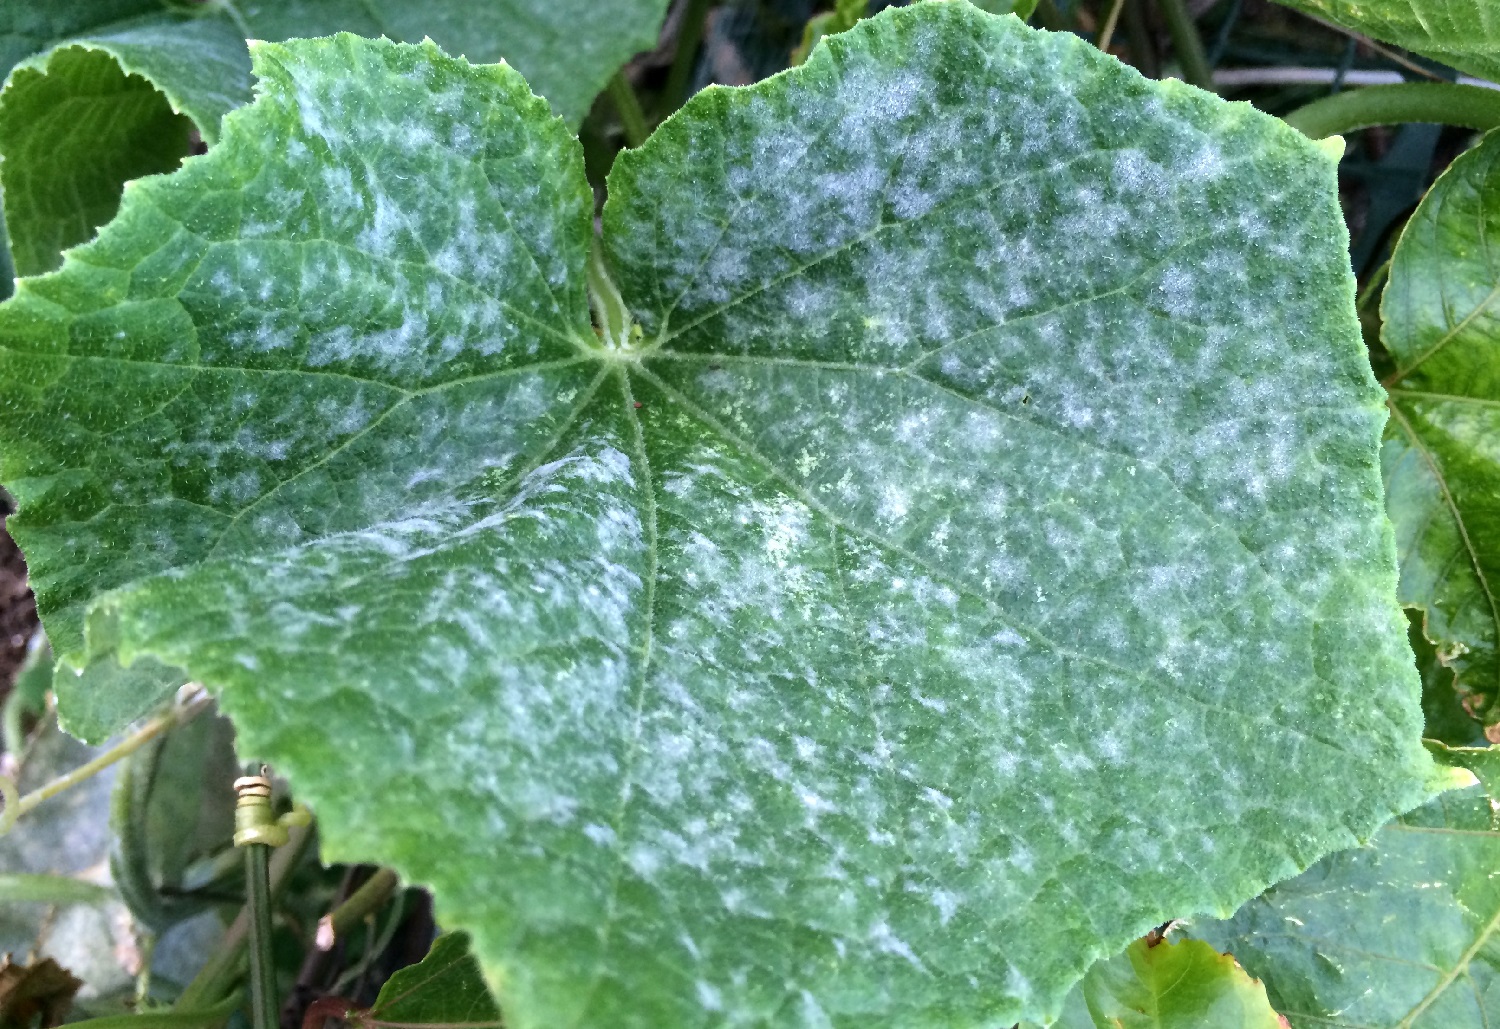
446	988
1441	314
958	569
1175	985
1397	934
1462	33
844	16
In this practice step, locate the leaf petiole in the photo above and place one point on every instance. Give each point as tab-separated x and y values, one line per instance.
1439	103
187	707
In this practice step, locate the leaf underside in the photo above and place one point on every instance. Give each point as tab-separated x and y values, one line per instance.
1441	459
1464	34
964	570
1397	934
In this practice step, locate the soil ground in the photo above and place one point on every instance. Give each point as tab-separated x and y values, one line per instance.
17	609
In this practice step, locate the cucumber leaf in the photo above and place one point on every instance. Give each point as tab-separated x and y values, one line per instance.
1464	34
1441	459
1399	933
941	566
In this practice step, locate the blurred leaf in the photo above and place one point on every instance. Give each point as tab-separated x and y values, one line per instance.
119	695
45	888
173	804
1484	762
1444	716
845	15
28	696
1462	33
67	836
1020	8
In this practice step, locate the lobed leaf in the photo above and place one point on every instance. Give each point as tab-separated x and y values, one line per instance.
1441	314
958	570
1397	934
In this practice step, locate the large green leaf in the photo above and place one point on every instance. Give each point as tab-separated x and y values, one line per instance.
1442	452
1398	934
959	569
1462	33
103	91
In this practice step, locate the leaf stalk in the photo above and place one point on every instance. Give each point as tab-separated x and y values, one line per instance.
628	106
1440	103
1187	44
16	805
684	60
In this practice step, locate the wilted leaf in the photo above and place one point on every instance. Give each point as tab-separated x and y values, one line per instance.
961	569
36	994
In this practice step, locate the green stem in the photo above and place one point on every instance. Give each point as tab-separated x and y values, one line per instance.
1138	39
683	61
1440	103
1187	44
16	806
364	901
1371	293
1107	31
632	118
223	971
609	307
263	1006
